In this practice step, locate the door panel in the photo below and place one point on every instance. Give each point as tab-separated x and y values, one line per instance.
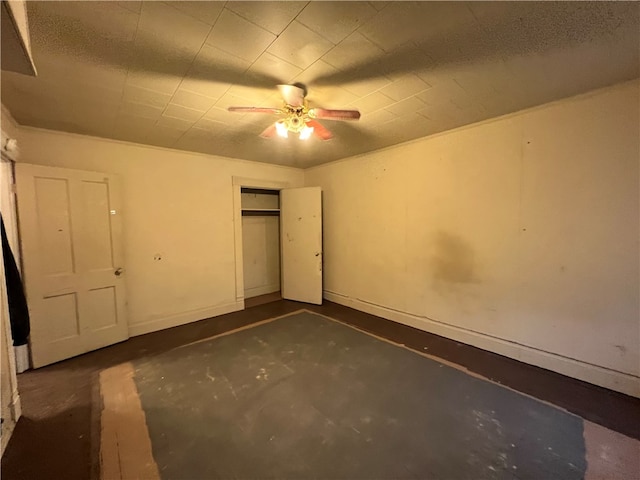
105	310
96	222
301	239
53	214
62	314
70	234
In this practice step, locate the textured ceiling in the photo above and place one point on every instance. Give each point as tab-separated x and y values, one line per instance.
164	73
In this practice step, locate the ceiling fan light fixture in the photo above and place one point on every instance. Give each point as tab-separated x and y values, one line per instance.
306	133
298	117
281	129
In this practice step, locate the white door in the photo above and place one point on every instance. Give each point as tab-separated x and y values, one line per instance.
70	232
301	239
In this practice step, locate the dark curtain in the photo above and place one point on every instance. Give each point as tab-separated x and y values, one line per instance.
18	311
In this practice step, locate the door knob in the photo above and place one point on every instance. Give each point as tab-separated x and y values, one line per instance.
118	272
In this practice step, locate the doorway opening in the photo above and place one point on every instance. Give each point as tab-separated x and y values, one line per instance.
260	211
265	214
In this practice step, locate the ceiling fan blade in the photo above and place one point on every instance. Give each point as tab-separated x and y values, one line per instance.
335	114
319	130
292	95
269	132
254	110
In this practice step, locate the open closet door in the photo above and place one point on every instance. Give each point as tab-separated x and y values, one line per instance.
70	233
301	239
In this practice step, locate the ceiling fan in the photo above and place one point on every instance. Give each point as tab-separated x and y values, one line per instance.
297	116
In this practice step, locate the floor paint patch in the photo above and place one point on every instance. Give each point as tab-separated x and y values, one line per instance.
125	448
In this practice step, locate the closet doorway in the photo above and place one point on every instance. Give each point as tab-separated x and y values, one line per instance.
278	239
260	244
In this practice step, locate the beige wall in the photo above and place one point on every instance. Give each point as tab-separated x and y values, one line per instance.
519	235
178	206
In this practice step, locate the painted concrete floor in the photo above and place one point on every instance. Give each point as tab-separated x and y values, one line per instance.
304	396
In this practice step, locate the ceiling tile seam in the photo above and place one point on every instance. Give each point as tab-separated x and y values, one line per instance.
368	38
171	4
215	100
485	30
395	117
469	93
113	127
370	20
261	27
186	108
309	68
279	58
473	14
423	116
384	7
125	8
268	46
413	97
304	26
286	61
370	93
327	39
181	119
252	23
177	140
194	123
393	102
295	19
204	42
337	67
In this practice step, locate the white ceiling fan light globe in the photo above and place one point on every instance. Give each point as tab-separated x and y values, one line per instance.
281	129
306	133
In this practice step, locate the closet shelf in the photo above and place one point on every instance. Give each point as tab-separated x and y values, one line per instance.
260	211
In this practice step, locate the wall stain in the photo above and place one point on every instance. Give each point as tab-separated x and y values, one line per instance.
622	349
453	260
